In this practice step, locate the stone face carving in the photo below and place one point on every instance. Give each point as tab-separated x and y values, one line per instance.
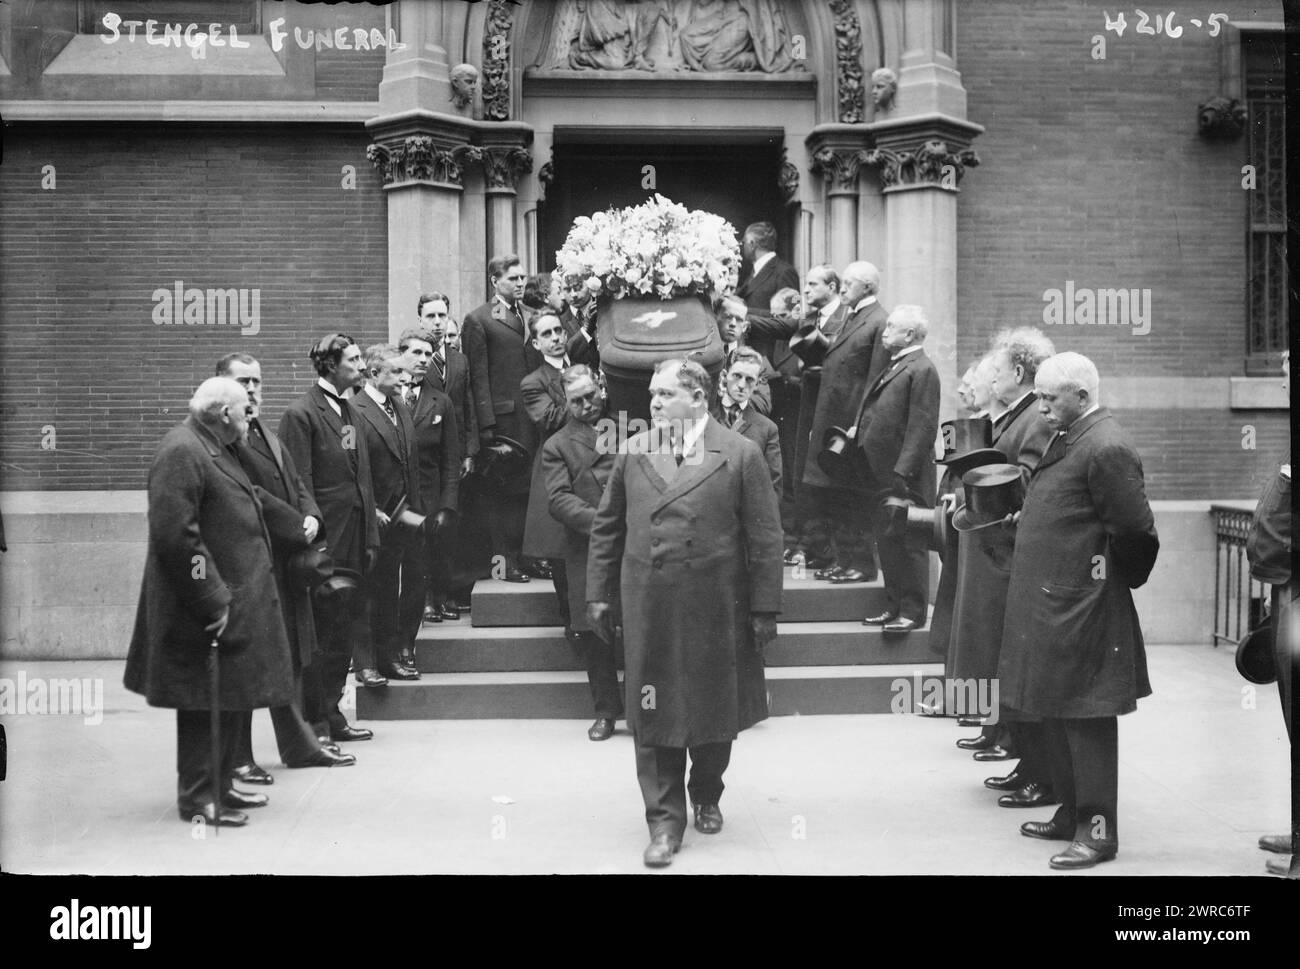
884	85
418	158
1220	117
503	166
496	60
671	35
787	180
930	164
464	84
848	62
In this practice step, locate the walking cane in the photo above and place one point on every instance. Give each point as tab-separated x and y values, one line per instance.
214	730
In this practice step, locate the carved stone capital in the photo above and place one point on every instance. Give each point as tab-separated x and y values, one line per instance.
503	166
496	60
787	180
840	167
419	158
932	163
1221	118
848	63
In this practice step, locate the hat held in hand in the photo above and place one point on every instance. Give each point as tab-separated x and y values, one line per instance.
993	492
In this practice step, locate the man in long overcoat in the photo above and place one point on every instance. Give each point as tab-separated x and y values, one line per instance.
208	575
1072	650
689	534
286	503
575	466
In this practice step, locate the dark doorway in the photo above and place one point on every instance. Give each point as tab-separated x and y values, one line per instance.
735	181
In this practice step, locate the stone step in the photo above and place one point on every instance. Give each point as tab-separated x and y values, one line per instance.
561	695
455	647
499	603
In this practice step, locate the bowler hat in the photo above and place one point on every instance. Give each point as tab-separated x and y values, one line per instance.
992	492
834	459
310	567
342	585
968	443
404	525
1255	655
501	469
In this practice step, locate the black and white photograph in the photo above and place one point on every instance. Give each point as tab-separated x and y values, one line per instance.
648	437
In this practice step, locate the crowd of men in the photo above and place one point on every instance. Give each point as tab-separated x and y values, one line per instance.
409	471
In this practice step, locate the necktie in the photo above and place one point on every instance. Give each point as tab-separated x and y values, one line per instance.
388	409
733	413
441	365
408	396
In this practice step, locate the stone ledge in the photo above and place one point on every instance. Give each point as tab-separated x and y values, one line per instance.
1257	393
331	112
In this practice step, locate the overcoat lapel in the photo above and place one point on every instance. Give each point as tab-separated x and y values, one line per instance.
703	461
380	422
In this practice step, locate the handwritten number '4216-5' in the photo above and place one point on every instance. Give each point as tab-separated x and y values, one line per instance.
1164	24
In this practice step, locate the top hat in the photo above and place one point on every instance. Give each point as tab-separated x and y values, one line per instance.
501	469
930	525
404	525
836	455
342	585
812	345
1255	655
992	492
968	443
310	567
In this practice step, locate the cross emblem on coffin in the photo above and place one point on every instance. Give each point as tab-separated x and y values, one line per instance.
654	318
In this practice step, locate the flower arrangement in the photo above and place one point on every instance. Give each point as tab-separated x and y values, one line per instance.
658	247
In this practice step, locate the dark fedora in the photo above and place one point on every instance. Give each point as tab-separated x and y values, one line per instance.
835	457
1255	655
310	567
404	525
342	585
968	443
992	492
501	469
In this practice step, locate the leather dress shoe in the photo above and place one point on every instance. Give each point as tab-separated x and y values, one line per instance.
970	721
542	569
708	818
243	800
1081	855
350	732
1012	782
1278	866
659	853
849	575
252	774
1281	843
817	564
996	752
406	657
370	678
602	729
792	557
393	672
449	611
226	818
982	742
1032	794
826	574
327	744
1047	830
514	575
432	614
325	757
879	620
900	625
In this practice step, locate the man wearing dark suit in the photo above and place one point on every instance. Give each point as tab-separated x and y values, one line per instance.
579	322
495	338
208	575
733	330
688	536
733	408
981	601
575	469
272	472
319	431
396	586
895	431
439	401
544	401
762	274
1072	649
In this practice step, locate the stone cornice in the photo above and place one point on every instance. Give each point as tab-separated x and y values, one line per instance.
274	112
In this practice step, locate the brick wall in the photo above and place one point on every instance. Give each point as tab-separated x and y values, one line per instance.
136	208
1093	171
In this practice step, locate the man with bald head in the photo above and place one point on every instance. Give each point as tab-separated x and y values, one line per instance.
209	577
1072	650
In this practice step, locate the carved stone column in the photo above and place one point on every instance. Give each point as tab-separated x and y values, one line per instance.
504	161
837	152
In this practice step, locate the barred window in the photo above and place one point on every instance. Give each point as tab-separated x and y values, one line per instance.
1266	285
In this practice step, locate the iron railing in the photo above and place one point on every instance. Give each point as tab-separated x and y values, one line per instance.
1239	600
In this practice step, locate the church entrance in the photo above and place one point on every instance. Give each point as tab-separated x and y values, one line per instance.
736	180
